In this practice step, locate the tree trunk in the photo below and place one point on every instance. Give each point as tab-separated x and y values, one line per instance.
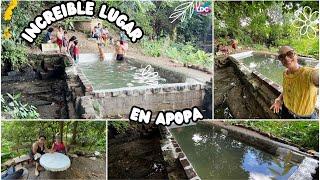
61	130
173	34
74	132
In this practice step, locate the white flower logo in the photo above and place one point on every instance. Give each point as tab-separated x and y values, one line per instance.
147	76
307	21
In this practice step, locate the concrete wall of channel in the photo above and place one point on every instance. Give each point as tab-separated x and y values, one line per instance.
173	153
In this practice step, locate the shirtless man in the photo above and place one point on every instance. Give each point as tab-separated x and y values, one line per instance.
120	50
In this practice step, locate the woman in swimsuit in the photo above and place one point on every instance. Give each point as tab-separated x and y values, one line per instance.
38	149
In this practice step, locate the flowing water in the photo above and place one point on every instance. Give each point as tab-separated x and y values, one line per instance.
269	67
111	74
218	156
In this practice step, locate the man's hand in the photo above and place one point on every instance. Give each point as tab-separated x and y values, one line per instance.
276	106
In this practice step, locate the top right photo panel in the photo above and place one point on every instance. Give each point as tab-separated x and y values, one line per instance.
266	60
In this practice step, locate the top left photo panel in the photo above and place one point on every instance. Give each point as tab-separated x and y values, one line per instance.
101	59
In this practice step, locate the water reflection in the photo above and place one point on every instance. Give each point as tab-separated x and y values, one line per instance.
218	156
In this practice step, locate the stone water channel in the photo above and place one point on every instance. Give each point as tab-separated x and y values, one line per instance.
247	83
215	150
94	89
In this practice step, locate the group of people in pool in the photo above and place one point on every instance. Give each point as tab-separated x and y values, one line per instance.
39	148
71	46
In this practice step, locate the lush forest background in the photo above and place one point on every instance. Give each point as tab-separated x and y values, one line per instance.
18	136
266	25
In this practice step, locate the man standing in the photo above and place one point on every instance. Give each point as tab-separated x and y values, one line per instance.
300	88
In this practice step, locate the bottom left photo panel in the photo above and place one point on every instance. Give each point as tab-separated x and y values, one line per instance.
53	150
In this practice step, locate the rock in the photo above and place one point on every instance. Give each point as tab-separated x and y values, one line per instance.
93	158
97	153
73	155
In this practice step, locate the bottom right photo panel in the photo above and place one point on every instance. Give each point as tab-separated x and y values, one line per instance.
214	150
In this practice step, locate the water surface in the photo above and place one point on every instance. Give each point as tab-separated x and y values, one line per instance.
218	156
110	74
269	67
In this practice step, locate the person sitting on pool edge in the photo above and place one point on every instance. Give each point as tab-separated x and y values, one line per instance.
300	87
58	146
38	149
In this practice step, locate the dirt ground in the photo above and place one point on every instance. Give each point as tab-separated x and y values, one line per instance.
81	168
138	159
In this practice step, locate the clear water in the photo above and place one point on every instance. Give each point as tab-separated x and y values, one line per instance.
269	67
111	74
218	156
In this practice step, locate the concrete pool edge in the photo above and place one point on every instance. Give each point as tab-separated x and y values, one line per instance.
172	151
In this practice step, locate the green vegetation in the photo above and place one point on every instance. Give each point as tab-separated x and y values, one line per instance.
119	126
303	133
78	136
16	110
185	53
15	53
268	24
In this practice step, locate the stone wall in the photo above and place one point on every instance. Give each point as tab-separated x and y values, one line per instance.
260	88
86	25
110	103
117	103
172	152
41	66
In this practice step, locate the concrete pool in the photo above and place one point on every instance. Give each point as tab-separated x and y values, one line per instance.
110	89
214	150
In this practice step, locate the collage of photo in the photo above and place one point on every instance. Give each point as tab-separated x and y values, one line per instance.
144	89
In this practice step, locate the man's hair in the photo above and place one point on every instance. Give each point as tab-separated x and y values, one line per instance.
72	38
287	47
40	136
75	42
50	29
